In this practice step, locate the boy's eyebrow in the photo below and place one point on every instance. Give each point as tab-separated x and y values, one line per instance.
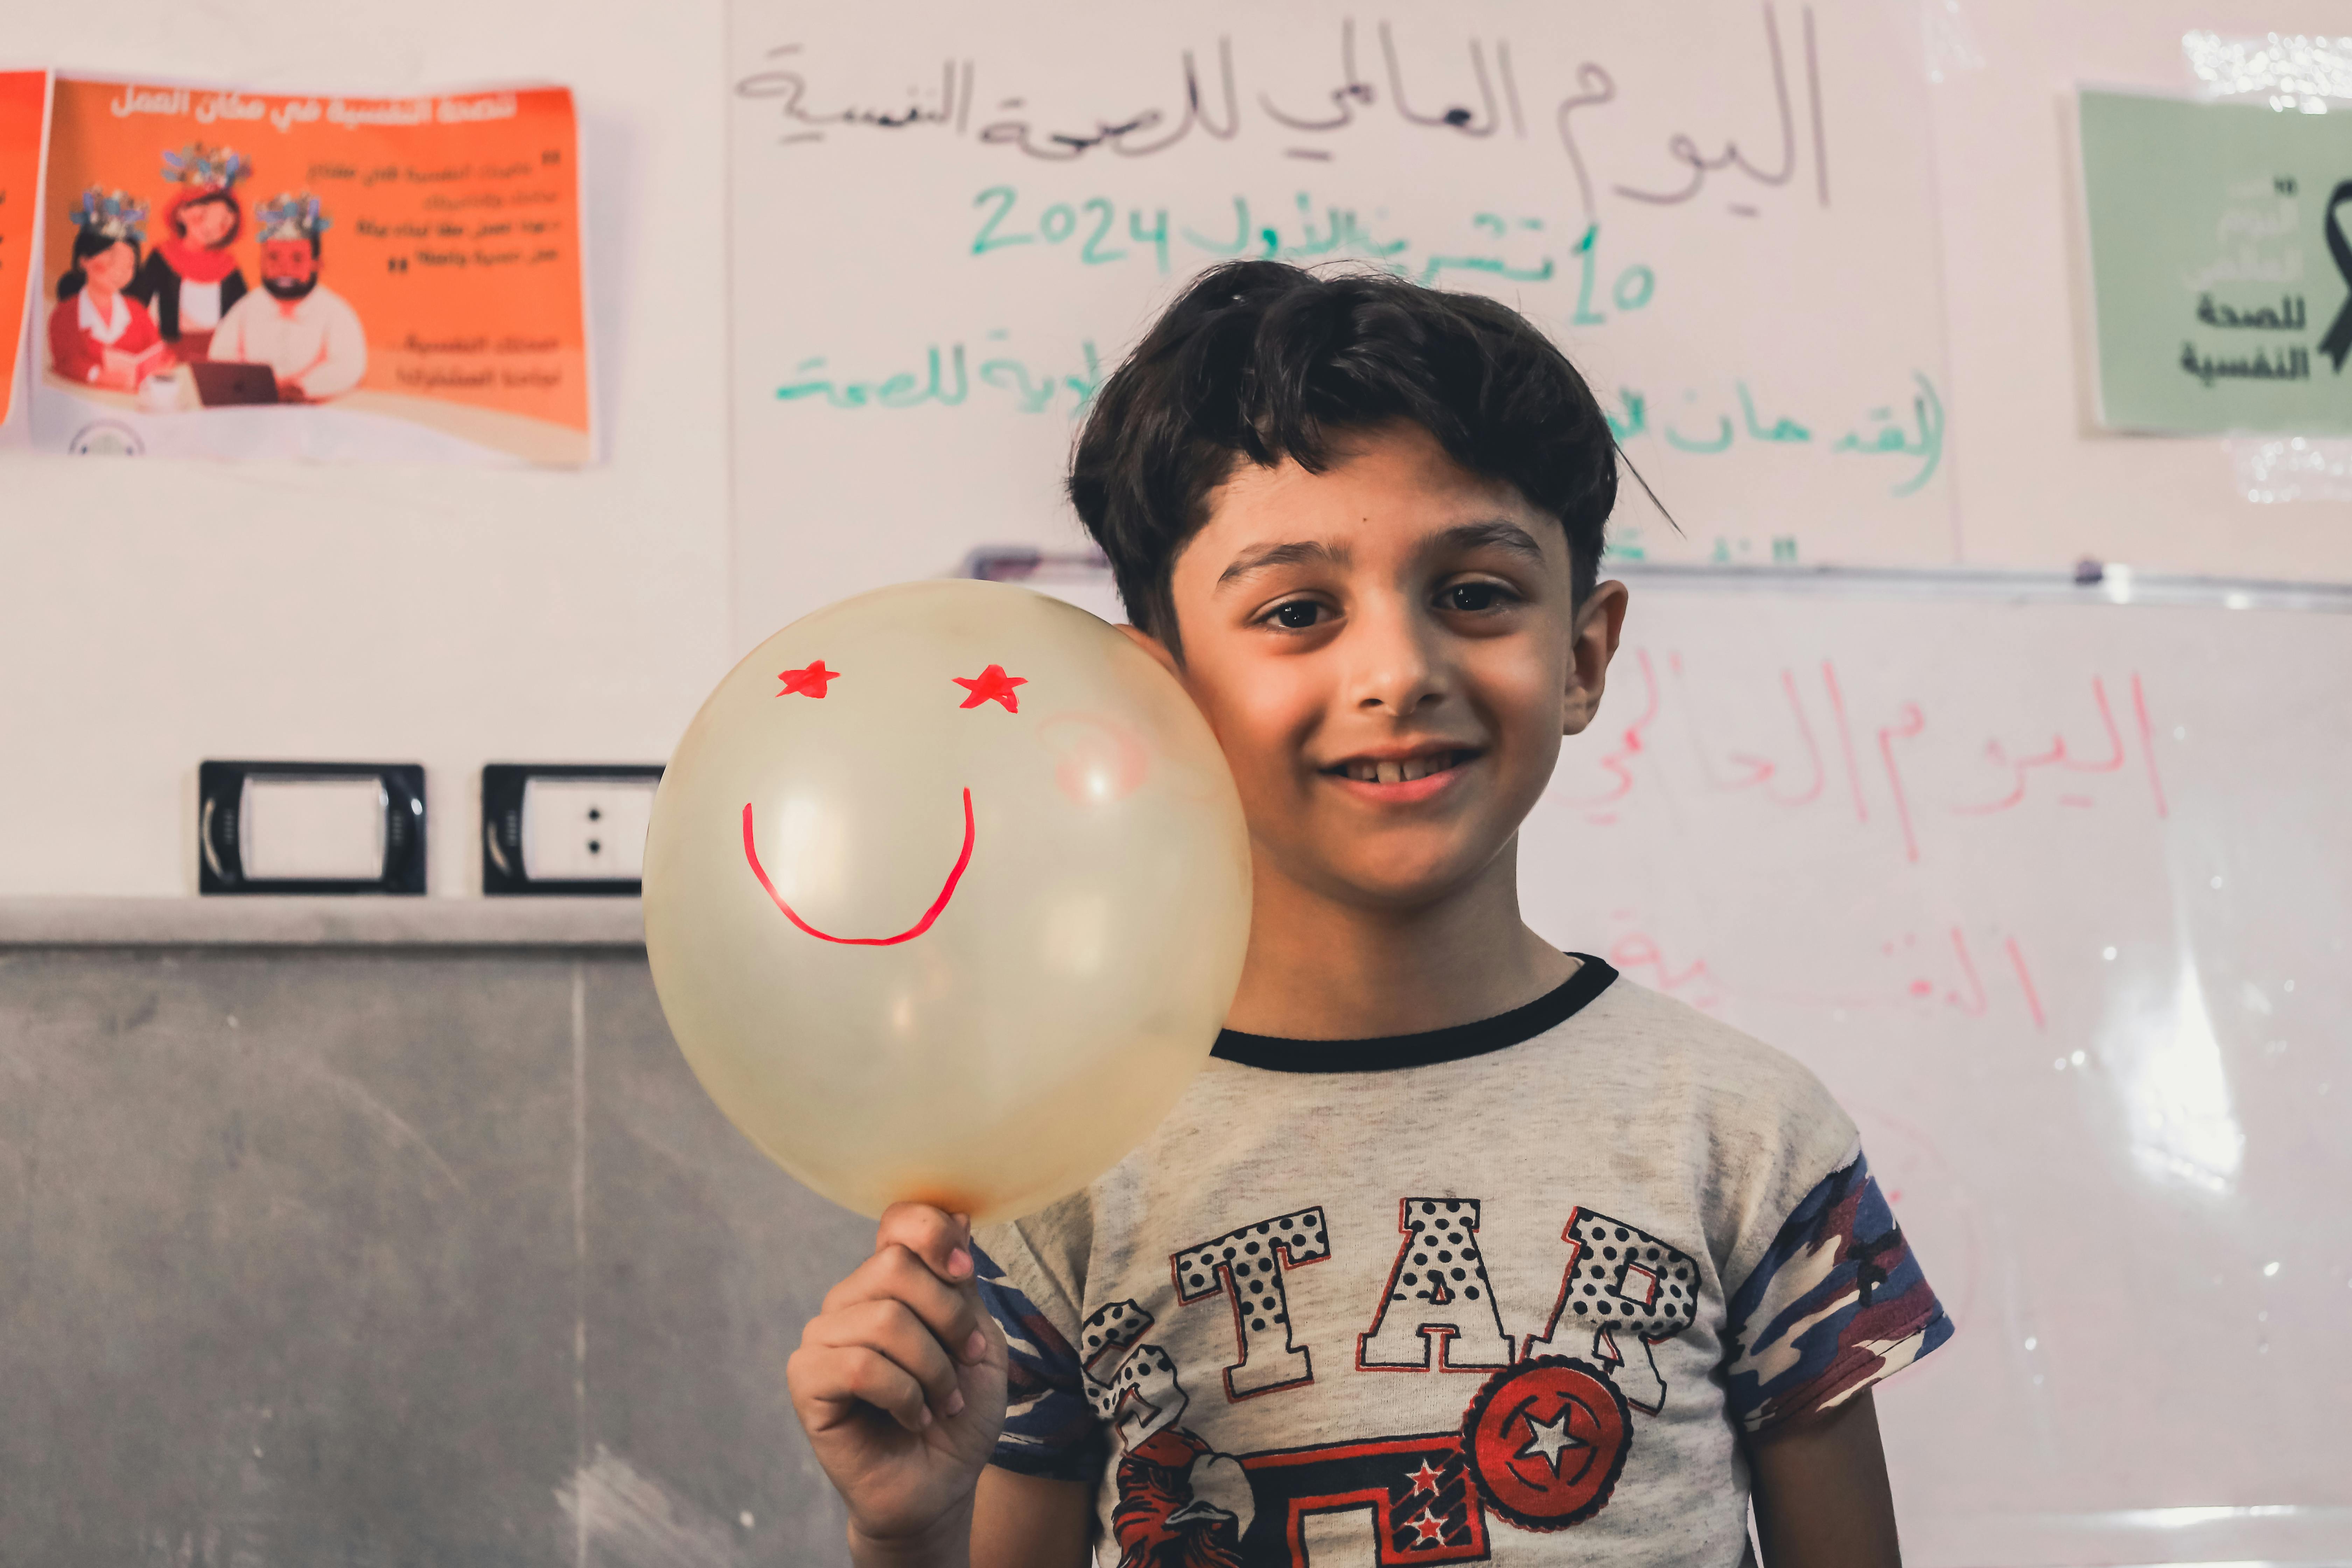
1251	562
1500	532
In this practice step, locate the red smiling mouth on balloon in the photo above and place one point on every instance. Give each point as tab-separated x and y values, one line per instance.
947	889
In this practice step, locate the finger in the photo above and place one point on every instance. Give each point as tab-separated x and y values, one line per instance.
988	1344
975	1347
837	1379
888	1327
893	1271
942	1240
951	1312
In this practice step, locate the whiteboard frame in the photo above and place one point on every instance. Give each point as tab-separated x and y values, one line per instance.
2091	583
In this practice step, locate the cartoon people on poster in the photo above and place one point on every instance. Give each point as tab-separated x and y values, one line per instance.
121	319
191	279
307	334
98	335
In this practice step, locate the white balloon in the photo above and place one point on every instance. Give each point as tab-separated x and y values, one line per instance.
946	894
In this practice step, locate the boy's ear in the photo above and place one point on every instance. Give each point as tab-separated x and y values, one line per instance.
1592	643
1152	646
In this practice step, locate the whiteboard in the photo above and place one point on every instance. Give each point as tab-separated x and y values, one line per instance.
1948	259
2056	901
948	229
2055	898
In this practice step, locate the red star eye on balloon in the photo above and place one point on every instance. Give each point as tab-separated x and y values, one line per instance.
808	683
991	685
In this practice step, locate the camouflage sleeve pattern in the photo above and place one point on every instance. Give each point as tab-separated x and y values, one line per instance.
1837	1303
1049	1428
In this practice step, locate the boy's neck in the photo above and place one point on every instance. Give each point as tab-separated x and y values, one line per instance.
1321	968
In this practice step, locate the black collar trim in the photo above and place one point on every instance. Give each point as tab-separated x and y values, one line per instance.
1390	1052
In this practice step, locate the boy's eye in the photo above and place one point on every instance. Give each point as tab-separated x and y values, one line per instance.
1298	614
1473	597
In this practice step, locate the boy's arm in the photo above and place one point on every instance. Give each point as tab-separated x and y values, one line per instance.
1031	1521
1820	1493
1011	1521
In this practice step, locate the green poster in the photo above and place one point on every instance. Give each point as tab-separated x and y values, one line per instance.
2220	265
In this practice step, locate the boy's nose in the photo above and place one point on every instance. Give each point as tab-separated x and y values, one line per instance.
1394	669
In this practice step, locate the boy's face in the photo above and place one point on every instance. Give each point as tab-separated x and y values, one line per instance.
1388	656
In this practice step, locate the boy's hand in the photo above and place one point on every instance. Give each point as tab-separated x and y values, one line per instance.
899	1381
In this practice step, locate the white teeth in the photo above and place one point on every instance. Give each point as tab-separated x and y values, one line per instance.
1403	772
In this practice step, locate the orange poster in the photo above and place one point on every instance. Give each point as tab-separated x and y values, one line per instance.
23	99
233	275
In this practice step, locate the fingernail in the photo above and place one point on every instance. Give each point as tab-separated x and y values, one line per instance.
955	1401
926	1416
958	1263
976	1347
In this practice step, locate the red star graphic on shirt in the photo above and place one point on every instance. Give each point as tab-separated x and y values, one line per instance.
1423	1479
1427	1526
991	685
809	682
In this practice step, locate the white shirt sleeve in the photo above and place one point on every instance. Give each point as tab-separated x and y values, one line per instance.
344	355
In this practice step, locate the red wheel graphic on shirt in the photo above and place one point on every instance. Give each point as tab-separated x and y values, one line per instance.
1546	1441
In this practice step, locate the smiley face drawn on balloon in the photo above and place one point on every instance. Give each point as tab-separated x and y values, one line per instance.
897	1041
990	685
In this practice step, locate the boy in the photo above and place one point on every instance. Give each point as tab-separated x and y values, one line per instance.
1461	1249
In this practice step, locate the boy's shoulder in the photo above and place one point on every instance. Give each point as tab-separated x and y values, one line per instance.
1753	1128
1665	1044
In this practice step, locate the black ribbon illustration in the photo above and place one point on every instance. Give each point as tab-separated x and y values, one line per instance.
2338	344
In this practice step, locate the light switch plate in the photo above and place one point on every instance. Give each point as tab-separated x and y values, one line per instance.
565	829
310	827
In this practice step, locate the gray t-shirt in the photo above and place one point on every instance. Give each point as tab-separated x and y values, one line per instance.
1502	1294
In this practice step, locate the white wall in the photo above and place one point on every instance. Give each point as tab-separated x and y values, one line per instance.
153	615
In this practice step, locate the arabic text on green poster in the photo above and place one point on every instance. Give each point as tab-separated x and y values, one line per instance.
2220	265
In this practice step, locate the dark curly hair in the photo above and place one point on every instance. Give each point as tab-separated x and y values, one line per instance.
1260	361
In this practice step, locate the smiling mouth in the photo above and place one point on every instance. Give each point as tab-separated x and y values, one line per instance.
1399	770
947	889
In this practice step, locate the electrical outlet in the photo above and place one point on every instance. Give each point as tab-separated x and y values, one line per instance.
565	828
310	827
585	830
313	829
